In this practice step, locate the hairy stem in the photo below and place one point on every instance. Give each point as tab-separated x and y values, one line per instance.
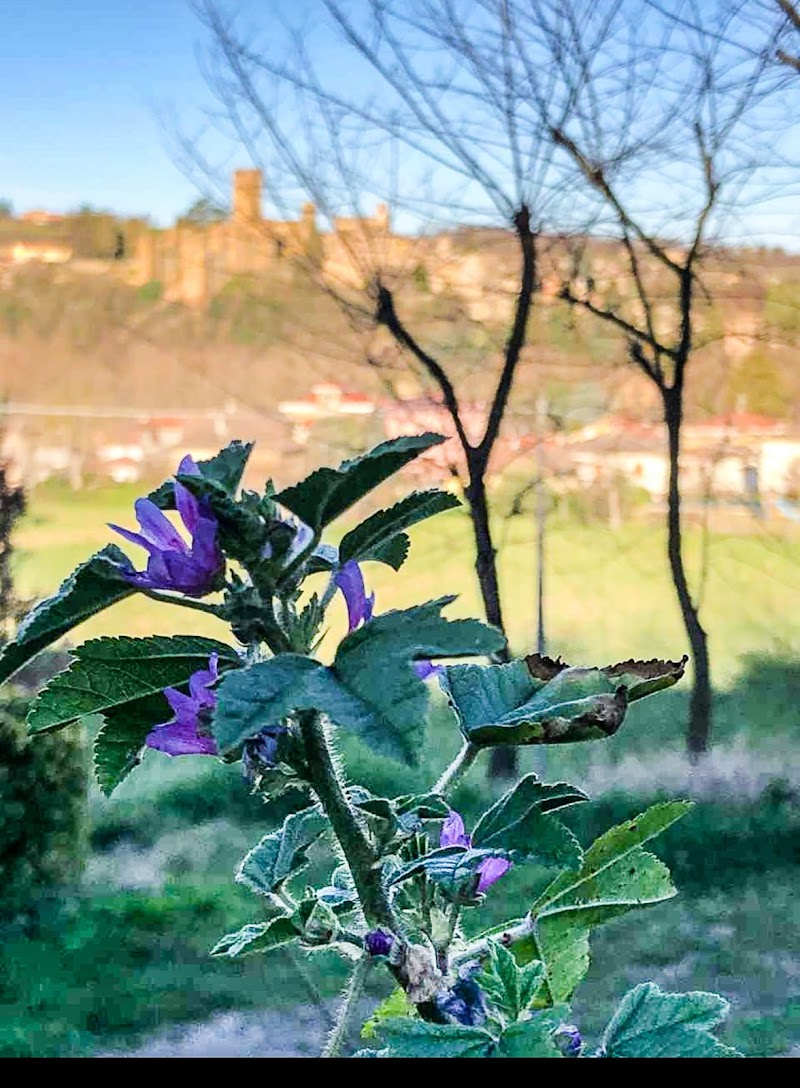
458	768
362	859
182	602
341	1025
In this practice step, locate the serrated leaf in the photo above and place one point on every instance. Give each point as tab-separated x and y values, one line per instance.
225	468
118	745
651	1024
411	1038
616	876
504	704
528	1039
518	823
509	986
371	690
93	586
373	538
375	664
109	673
328	492
640	678
256	937
282	853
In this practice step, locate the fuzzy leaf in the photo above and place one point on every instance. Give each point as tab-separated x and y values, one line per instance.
375	664
256	937
616	876
518	824
504	704
371	690
372	539
328	492
94	585
282	853
651	1024
109	673
529	1039
640	678
412	1038
396	1005
509	986
118	745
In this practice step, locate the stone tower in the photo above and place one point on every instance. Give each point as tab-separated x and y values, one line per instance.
247	196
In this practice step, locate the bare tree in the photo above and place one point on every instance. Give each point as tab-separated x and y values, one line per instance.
792	13
661	185
450	92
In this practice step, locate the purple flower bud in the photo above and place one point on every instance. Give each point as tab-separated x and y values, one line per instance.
378	942
568	1040
350	581
464	1003
173	564
189	732
260	753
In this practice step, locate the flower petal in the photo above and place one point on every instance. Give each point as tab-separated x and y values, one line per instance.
157	528
350	581
180	739
187	506
490	871
453	832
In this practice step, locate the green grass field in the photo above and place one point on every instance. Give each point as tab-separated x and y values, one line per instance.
127	953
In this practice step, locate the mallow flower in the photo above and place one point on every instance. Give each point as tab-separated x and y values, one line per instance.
260	753
426	668
173	564
188	733
349	579
454	833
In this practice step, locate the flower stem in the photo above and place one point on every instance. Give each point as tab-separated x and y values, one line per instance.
355	985
459	767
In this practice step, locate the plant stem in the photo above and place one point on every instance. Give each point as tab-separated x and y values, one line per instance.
182	602
341	1025
459	767
362	859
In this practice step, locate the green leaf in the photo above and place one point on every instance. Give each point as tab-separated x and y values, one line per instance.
651	1024
375	664
109	673
504	704
282	853
118	745
396	1005
371	690
372	539
256	937
410	1038
509	986
225	468
94	585
616	876
328	492
529	1039
518	823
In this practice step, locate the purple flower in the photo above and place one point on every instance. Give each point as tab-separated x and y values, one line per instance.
350	581
261	752
378	942
173	564
464	1002
189	733
424	669
568	1040
454	833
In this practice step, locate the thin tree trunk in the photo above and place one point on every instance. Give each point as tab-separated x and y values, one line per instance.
698	733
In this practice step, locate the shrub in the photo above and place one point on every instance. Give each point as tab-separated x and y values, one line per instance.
43	788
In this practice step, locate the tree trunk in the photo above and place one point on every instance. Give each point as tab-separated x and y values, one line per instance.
503	761
698	733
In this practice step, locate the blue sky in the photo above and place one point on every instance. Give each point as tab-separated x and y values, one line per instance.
85	85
